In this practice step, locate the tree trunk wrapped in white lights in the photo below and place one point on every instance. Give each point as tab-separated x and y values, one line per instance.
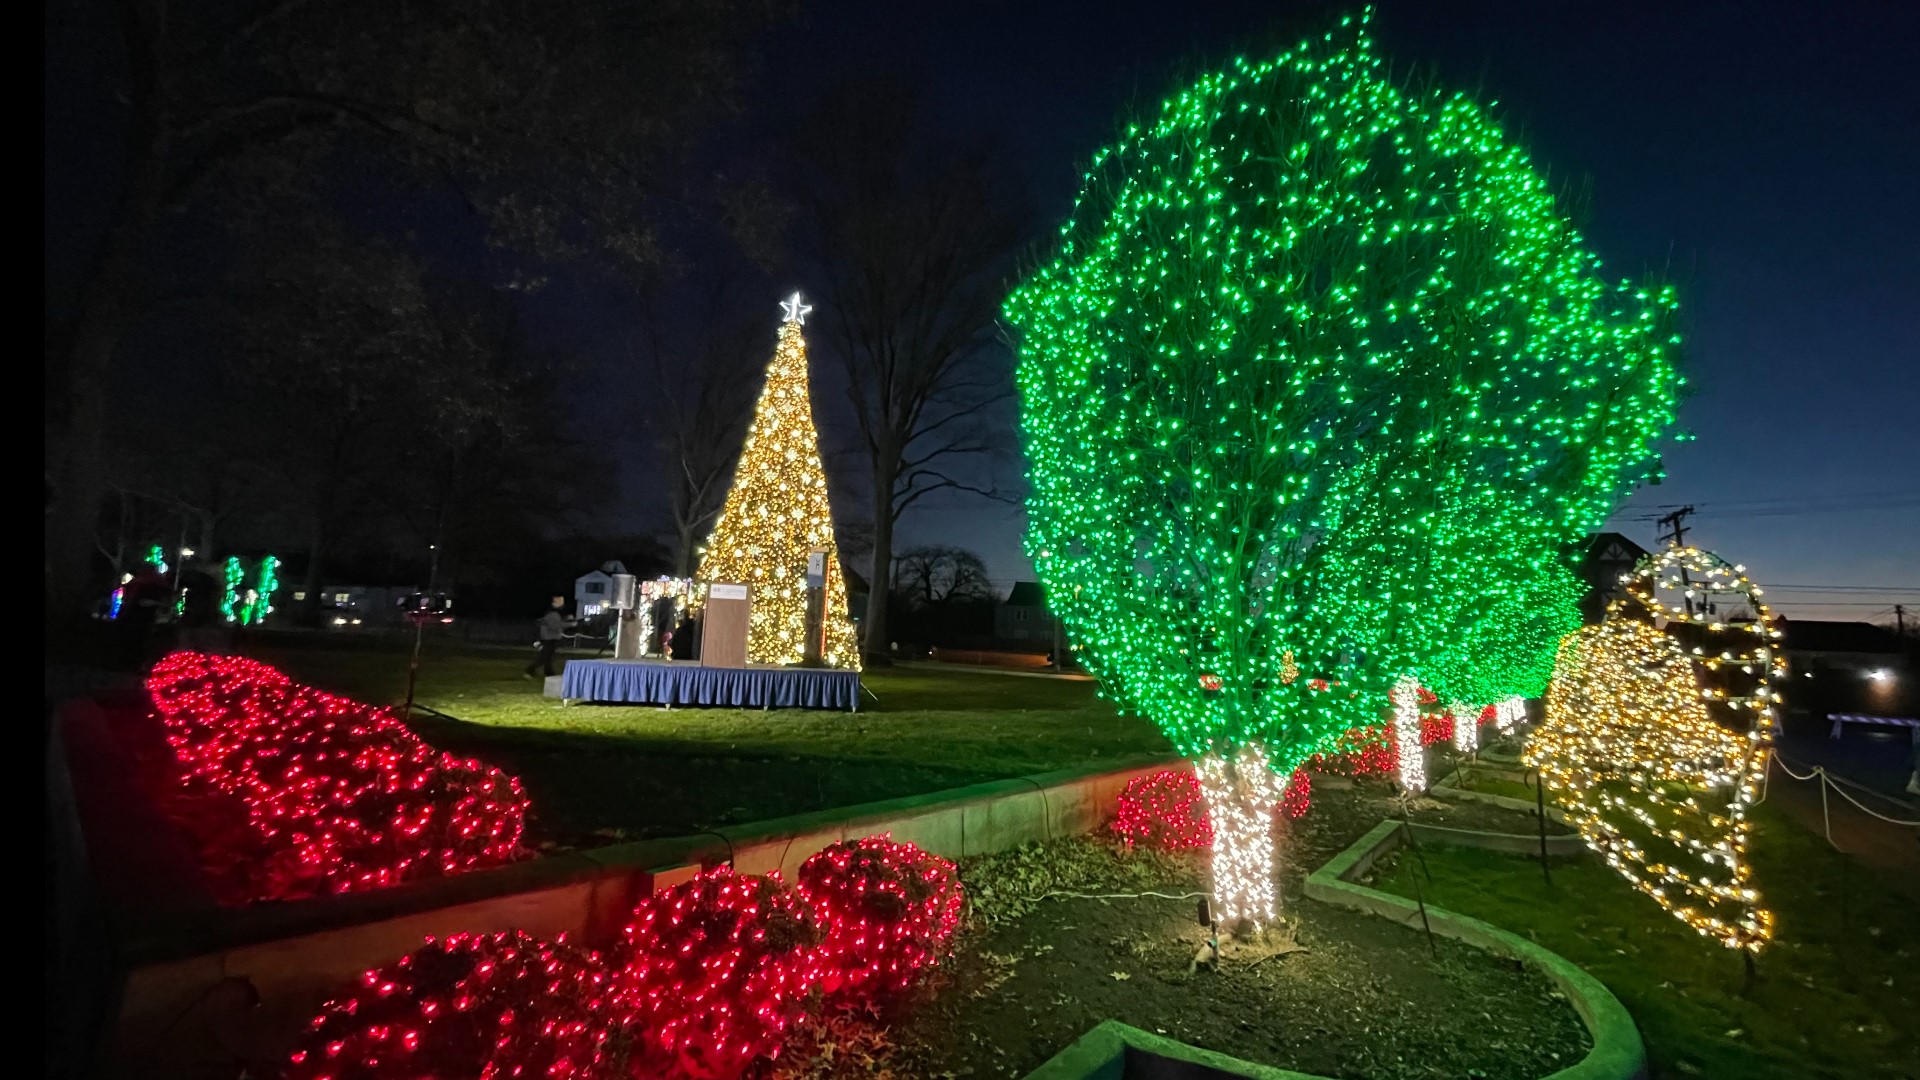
1242	794
1406	736
1508	714
1466	727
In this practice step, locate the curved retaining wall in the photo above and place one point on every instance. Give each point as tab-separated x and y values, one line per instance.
1116	1051
1617	1054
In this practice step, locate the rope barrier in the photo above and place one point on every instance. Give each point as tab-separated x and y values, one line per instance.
1827	780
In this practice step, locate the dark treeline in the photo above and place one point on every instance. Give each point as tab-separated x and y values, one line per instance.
310	311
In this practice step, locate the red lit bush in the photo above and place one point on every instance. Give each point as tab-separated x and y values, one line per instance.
1165	810
1298	798
709	979
291	792
885	911
470	1006
1362	751
713	974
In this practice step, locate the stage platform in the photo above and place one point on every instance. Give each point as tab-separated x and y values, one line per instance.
669	682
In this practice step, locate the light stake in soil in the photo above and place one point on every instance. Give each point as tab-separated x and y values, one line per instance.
1419	894
1209	953
1540	805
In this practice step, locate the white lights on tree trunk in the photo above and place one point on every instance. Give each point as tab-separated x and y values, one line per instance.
1406	735
1509	713
1242	795
1466	727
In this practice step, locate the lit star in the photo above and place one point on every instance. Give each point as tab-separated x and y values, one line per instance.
796	311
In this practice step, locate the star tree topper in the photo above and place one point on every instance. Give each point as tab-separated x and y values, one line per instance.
797	312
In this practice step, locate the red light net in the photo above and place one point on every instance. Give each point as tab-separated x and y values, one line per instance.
1167	809
1164	810
716	972
886	911
1373	751
495	1005
293	792
707	982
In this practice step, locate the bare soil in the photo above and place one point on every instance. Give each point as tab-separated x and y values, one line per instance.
1335	993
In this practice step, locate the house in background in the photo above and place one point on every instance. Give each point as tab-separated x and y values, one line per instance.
1023	616
1849	667
593	589
1608	556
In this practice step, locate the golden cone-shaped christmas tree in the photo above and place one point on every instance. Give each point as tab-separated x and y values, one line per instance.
777	515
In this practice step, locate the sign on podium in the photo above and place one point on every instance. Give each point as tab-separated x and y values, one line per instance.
723	627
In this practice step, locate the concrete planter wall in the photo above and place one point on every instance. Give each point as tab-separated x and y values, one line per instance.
1116	1051
1617	1054
1505	769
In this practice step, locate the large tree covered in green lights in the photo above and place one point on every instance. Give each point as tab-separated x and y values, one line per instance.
1317	390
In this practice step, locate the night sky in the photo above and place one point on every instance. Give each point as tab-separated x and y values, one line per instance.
1763	156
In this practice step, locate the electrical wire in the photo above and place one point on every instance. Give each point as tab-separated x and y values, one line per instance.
1115	896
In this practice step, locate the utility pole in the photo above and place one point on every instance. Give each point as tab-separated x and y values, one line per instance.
1675	528
1900	618
1675	524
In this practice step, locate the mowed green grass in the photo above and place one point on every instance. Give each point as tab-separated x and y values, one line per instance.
1838	990
599	772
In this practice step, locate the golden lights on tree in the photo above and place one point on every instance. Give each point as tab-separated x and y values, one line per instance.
1656	749
777	515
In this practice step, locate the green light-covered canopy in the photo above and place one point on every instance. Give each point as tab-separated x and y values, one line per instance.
1319	371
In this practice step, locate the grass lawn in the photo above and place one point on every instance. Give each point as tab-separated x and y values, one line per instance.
602	772
1498	785
1839	988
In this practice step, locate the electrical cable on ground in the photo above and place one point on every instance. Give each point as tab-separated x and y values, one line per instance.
1115	896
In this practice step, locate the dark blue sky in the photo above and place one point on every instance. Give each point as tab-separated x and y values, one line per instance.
1764	155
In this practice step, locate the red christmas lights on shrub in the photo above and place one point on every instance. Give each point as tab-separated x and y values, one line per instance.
1298	798
1166	810
714	972
885	911
706	983
497	1005
291	792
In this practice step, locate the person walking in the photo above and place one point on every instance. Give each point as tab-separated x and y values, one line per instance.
552	628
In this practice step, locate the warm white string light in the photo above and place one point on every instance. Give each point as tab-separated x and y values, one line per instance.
1242	795
1631	748
1508	713
1406	734
1466	727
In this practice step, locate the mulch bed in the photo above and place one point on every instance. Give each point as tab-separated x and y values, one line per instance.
1361	997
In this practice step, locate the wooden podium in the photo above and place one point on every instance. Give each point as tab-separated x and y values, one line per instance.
723	626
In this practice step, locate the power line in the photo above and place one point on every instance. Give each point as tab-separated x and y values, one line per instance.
1836	603
1776	508
1775	586
1799	500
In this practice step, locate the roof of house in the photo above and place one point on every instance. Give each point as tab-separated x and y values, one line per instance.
1815	635
607	570
1612	547
1027	594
